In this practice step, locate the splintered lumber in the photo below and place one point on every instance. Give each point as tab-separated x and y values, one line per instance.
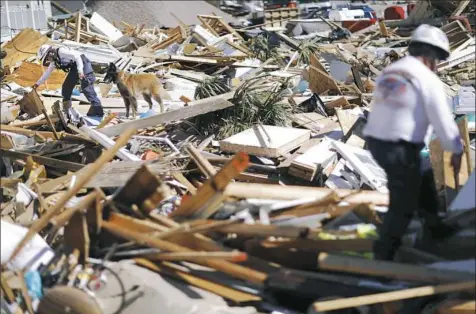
223	266
208	196
224	291
233	256
390	269
289	192
457	307
192	241
392	296
315	122
265	140
202	163
193	109
92	170
320	82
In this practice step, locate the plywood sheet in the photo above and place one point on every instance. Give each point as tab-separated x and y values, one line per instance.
315	122
29	73
320	82
25	45
267	140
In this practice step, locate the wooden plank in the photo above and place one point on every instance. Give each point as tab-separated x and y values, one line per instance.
392	296
78	27
440	160
193	109
457	307
76	236
320	82
218	289
289	192
259	230
213	186
315	122
390	269
46	161
267	140
224	266
233	256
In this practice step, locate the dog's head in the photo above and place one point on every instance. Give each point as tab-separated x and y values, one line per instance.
111	74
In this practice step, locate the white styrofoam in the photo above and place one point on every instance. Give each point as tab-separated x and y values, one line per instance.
105	27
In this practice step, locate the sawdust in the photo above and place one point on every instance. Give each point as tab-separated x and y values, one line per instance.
29	73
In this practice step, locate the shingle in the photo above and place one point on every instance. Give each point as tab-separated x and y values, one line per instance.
153	13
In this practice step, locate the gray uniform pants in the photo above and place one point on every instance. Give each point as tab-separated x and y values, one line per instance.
87	84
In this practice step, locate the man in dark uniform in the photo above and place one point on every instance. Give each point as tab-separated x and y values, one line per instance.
79	67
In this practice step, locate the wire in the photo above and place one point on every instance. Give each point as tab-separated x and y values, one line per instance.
13	41
121	284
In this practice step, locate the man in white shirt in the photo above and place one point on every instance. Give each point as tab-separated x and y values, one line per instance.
79	67
408	98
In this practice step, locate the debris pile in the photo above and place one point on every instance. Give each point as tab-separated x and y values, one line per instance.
254	186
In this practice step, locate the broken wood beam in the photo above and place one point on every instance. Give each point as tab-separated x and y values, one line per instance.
202	163
175	272
233	256
231	269
289	192
209	195
346	303
193	109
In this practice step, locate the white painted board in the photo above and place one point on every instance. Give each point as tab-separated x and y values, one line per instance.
335	180
269	141
364	165
102	25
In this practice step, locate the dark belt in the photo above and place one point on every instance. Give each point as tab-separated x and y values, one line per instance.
416	146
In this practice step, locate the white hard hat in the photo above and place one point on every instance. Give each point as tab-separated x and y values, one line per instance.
43	51
433	36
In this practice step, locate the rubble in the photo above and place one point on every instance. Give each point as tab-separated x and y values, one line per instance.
253	192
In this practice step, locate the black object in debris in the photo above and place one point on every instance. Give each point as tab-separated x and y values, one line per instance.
339	33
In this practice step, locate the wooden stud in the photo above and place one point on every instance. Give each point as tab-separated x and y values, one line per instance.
392	296
226	267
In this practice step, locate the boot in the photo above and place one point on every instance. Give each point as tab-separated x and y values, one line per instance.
95	111
67	104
